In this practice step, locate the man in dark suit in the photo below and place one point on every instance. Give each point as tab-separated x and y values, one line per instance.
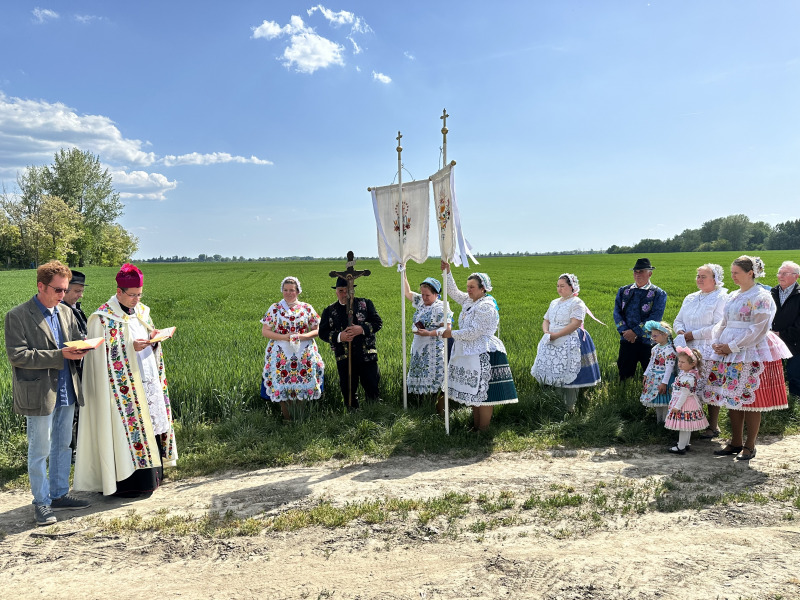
46	387
787	319
72	300
333	328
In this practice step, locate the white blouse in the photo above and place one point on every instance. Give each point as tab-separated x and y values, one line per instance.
477	322
745	326
699	313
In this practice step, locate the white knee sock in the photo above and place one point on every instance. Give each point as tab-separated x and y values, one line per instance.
683	439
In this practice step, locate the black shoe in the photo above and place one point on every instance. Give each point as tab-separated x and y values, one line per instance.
708	434
44	515
751	453
676	450
68	502
728	450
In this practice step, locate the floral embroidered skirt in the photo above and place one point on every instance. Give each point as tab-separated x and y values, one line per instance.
690	418
426	367
480	380
650	395
755	386
292	377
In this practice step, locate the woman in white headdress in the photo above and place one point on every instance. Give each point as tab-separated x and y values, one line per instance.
478	372
566	357
293	368
745	372
700	311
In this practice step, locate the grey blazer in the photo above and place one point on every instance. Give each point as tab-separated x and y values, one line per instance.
36	360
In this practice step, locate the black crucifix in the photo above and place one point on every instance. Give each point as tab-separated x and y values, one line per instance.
350	274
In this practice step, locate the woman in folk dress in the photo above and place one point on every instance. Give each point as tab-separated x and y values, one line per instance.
293	368
426	368
478	372
566	357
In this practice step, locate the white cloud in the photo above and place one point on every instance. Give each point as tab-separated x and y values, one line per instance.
32	131
88	19
409	56
195	158
40	15
381	77
308	52
141	185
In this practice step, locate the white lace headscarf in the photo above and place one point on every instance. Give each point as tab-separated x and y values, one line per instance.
293	280
484	279
758	265
572	279
717	271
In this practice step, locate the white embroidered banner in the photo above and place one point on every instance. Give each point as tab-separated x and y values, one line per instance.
411	220
454	247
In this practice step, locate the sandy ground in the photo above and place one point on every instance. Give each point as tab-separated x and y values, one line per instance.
731	550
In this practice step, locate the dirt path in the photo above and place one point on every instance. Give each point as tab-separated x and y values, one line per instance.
634	523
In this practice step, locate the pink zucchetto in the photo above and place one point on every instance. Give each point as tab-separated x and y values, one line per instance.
129	276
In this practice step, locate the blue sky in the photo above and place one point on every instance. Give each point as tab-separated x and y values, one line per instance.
254	128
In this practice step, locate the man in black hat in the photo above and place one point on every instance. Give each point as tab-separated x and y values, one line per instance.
72	300
334	329
636	304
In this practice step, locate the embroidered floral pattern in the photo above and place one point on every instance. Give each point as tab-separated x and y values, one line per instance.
443	213
406	220
662	361
426	367
291	374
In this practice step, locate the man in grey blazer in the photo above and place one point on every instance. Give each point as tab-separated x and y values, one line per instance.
46	387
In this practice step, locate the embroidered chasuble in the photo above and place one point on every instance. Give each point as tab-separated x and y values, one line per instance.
454	247
117	428
409	221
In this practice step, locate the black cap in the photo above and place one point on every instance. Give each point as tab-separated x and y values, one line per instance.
641	264
341	282
78	277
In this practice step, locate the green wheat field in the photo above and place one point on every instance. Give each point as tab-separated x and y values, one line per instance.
214	362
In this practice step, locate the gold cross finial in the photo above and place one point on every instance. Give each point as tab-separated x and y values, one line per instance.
444	121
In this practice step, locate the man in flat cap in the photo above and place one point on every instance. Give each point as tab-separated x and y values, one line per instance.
636	304
334	329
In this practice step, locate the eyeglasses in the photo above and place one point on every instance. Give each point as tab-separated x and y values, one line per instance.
58	290
785	273
133	295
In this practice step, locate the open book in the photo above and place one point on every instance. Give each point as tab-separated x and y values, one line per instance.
84	344
163	334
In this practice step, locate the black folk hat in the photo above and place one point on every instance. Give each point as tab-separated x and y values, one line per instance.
341	282
641	264
78	277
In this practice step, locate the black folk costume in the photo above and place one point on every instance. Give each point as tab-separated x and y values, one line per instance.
365	354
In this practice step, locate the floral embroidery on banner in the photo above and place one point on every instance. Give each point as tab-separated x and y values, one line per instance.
405	219
443	212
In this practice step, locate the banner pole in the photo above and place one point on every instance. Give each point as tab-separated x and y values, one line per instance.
401	228
444	297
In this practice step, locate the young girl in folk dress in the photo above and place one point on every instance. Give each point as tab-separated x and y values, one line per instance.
659	374
685	413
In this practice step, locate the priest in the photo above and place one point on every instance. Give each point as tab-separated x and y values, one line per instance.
125	438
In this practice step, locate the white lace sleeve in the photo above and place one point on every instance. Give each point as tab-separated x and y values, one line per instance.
678	324
577	310
454	292
704	333
483	322
682	396
652	360
669	367
758	329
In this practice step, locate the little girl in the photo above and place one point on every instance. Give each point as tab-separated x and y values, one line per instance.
686	414
659	374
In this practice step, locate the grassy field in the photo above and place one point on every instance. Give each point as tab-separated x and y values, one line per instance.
215	359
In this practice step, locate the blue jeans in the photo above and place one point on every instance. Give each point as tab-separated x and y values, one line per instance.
49	437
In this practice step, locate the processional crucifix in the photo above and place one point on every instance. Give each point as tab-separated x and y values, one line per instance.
350	275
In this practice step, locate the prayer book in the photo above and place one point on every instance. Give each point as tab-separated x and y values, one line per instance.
163	334
85	344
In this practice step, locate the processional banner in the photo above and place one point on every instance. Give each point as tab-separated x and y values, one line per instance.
405	225
454	247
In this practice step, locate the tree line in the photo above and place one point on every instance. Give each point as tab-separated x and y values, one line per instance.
66	211
734	232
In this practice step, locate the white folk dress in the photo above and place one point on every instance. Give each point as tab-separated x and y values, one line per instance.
660	369
690	416
426	367
558	361
292	371
470	371
699	313
751	376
